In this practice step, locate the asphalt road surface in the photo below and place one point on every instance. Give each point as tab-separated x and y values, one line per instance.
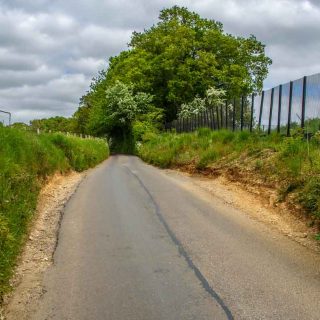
139	243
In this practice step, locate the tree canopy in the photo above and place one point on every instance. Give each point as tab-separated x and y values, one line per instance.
168	67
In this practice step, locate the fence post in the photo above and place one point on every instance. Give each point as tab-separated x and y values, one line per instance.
261	107
270	114
207	118
234	115
241	114
251	115
303	109
218	118
279	108
212	119
290	106
226	114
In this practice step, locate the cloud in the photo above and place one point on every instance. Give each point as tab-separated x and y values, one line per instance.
87	65
50	50
59	96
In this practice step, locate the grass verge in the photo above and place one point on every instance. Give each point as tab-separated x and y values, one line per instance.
26	160
289	164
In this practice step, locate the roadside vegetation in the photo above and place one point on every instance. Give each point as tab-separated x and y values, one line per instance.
289	164
26	161
179	62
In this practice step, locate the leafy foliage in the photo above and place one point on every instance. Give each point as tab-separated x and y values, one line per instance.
175	61
119	108
115	114
54	124
26	159
213	98
196	106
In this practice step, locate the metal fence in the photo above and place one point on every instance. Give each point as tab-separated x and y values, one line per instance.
282	108
5	117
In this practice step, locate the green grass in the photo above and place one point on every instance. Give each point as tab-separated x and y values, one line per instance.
290	164
26	160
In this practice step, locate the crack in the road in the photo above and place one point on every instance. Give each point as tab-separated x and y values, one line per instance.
183	252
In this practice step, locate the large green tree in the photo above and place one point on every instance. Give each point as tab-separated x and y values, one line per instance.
174	61
183	55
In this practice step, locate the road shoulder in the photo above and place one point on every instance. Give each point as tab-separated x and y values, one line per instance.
39	248
258	204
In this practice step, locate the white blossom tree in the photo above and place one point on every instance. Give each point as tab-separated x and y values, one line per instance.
214	97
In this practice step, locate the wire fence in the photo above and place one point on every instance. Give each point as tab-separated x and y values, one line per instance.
282	108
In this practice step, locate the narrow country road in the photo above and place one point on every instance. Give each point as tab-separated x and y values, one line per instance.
139	243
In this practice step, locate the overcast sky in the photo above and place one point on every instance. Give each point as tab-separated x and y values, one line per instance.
51	49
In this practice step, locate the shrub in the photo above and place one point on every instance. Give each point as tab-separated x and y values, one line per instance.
309	197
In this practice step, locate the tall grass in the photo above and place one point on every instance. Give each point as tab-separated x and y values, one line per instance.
290	164
26	160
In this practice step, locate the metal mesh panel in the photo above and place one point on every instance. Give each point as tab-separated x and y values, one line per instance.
296	103
312	113
284	107
247	113
313	97
256	110
266	110
275	109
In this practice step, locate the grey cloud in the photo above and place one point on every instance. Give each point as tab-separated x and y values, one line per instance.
87	65
13	78
63	89
96	41
12	61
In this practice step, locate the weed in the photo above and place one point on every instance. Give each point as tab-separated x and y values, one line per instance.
206	157
309	197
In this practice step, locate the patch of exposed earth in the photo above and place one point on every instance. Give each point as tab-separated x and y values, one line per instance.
38	252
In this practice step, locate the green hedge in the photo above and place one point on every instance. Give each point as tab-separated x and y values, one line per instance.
26	160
